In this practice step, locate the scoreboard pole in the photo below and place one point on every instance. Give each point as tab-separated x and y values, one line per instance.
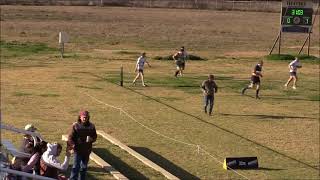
309	43
309	34
279	48
274	44
296	17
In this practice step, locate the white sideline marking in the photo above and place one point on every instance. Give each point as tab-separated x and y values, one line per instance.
164	136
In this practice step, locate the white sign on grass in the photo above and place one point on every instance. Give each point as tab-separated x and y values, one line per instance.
63	37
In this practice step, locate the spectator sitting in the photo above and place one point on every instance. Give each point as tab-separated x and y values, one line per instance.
34	161
27	145
49	163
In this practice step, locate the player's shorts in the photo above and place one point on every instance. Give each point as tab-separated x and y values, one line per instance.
294	74
140	71
179	64
183	64
255	80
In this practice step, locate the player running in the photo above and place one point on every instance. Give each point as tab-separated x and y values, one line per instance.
255	79
139	67
293	68
180	60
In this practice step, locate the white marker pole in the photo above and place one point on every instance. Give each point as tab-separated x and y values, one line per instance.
63	38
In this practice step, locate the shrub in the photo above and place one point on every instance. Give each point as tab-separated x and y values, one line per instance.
290	57
191	57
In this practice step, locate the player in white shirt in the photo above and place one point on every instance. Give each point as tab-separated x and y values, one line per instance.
293	68
139	67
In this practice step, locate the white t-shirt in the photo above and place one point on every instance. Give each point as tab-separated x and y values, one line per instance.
140	62
293	65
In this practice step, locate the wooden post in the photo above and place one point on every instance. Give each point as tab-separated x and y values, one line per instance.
304	43
62	49
274	44
121	76
309	43
279	49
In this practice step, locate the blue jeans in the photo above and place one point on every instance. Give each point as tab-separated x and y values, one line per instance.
80	164
208	99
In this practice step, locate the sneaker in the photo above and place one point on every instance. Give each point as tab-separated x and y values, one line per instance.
144	85
205	111
258	97
293	87
286	86
133	83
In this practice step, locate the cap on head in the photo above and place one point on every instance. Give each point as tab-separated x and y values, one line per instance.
211	76
30	127
84	113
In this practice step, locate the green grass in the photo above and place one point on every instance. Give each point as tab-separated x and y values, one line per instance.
18	49
49	95
124	52
22	94
314	97
128	165
89	87
281	129
288	57
67	77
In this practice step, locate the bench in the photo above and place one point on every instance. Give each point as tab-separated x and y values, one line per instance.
143	159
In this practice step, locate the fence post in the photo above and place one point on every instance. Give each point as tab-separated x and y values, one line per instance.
121	75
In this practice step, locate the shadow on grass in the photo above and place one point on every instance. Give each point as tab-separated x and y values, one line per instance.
269	169
316	98
262	116
287	98
89	170
164	163
93	170
212	124
118	164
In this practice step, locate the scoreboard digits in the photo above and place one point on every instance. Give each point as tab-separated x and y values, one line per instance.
297	16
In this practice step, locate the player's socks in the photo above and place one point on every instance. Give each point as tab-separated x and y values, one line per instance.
243	90
257	94
176	74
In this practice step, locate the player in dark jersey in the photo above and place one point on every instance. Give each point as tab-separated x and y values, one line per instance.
255	79
180	60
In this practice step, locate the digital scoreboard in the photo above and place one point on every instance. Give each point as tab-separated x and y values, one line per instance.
296	16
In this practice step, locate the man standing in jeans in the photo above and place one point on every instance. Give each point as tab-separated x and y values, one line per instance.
209	87
83	134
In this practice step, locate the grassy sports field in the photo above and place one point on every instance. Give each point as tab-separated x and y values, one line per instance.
166	122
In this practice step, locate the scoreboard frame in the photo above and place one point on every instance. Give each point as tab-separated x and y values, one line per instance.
296	16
